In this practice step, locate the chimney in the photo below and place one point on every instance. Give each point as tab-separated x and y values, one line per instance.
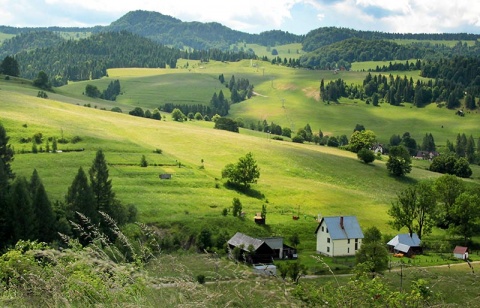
341	222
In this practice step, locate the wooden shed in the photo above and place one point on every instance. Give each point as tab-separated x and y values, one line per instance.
460	252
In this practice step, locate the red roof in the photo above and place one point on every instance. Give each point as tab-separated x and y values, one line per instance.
460	250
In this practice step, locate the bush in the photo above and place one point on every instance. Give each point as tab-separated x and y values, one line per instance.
298	139
201	279
366	155
76	139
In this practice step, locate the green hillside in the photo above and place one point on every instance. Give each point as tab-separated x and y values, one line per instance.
288	97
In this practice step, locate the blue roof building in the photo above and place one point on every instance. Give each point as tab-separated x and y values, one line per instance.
338	236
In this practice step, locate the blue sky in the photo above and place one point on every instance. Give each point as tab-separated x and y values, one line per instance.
254	16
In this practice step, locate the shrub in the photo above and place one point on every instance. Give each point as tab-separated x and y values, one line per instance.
76	139
201	279
366	155
298	139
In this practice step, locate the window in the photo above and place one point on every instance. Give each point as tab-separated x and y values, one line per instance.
328	240
348	250
327	230
356	246
323	229
328	249
356	240
348	241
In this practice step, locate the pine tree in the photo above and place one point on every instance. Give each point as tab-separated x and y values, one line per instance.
21	213
101	184
6	153
80	198
44	215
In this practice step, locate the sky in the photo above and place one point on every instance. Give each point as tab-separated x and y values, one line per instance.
255	16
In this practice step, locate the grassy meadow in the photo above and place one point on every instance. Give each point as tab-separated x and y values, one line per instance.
296	179
285	96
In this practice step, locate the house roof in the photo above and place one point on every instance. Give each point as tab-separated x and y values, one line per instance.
242	239
350	229
403	242
273	242
460	250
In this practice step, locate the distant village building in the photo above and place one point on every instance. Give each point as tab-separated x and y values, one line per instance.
338	236
460	252
406	244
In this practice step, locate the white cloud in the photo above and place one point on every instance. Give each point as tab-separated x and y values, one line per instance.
259	15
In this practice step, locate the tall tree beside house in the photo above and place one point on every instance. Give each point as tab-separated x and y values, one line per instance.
465	215
447	189
415	209
44	215
372	254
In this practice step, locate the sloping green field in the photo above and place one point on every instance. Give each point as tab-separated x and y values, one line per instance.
306	180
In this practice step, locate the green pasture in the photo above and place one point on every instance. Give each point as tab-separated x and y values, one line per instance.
5	36
288	51
295	178
304	180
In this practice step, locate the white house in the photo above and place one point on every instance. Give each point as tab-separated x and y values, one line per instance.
338	236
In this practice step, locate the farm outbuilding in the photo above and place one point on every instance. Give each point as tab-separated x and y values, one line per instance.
406	244
281	250
460	252
261	252
338	236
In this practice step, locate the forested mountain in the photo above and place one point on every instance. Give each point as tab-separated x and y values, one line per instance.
329	35
29	41
171	31
91	57
341	54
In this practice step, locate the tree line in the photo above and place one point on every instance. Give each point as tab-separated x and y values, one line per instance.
397	90
27	213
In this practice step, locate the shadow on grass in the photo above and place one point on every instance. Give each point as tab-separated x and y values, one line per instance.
248	192
404	179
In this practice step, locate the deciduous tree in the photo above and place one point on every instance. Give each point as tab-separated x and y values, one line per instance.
243	173
399	161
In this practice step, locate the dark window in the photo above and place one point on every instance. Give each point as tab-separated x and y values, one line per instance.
328	240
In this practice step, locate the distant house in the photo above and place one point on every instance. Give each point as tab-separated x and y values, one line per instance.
338	236
460	252
261	252
426	155
407	244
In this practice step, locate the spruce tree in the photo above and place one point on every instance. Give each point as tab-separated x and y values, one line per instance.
80	198
21	213
6	153
44	215
101	184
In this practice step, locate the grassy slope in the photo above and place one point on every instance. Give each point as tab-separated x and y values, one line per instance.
288	97
295	179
